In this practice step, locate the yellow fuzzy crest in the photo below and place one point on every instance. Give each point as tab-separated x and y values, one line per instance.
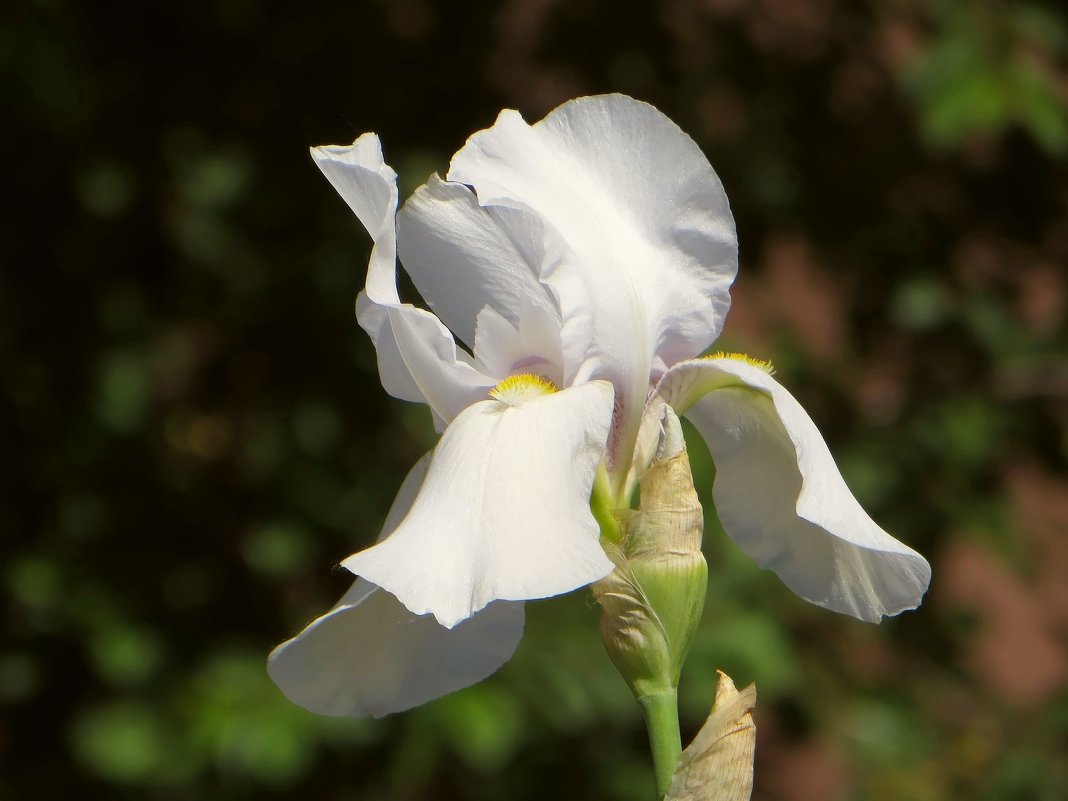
763	364
516	390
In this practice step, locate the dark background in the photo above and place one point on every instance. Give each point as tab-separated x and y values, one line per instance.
193	431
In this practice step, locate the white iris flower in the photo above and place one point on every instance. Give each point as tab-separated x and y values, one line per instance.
585	262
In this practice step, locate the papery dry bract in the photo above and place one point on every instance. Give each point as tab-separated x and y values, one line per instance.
718	764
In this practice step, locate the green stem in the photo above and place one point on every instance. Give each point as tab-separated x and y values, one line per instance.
662	720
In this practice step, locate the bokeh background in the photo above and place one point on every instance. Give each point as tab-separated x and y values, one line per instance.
193	432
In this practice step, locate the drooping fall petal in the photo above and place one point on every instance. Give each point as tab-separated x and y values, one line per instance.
504	511
781	497
370	656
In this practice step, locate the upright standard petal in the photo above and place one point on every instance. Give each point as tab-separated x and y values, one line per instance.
647	240
504	512
780	496
417	355
371	656
529	345
464	258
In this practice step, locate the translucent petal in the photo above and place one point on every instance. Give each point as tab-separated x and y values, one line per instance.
464	258
531	344
504	511
781	497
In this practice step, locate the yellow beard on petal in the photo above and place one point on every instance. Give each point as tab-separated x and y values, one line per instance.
763	364
516	390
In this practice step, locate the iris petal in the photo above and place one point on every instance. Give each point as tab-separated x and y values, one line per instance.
370	656
464	258
417	356
645	238
504	512
781	497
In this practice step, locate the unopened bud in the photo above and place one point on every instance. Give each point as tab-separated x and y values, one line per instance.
652	602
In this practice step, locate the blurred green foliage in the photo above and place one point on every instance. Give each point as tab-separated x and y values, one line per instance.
992	67
194	431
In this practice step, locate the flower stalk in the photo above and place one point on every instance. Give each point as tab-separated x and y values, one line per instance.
661	711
